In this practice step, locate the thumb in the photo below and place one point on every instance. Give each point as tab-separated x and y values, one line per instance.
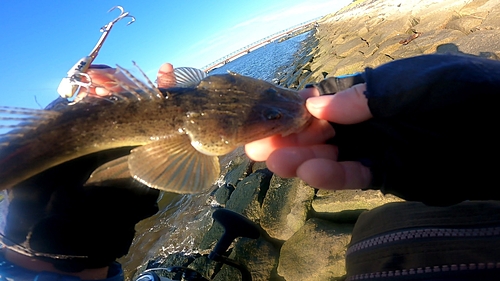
345	107
166	76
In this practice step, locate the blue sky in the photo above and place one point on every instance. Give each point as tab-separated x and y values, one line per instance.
41	40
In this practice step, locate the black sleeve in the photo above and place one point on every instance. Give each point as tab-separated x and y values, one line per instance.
434	134
60	216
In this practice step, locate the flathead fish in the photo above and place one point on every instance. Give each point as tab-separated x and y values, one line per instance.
177	132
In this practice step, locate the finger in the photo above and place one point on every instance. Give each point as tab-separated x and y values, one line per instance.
166	77
345	107
98	75
104	81
317	133
309	92
101	91
285	161
328	174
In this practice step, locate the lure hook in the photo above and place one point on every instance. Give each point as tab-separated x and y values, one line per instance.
72	82
122	15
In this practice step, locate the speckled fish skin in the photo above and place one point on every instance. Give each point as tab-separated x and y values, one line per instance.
215	116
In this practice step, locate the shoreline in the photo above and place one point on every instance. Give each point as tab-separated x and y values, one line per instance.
372	33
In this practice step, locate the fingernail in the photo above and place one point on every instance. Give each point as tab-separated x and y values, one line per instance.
101	91
166	68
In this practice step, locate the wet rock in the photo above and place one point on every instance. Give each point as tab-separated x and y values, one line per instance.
298	75
221	195
211	237
285	207
204	266
346	205
176	259
249	194
258	256
339	200
246	199
227	273
237	169
315	252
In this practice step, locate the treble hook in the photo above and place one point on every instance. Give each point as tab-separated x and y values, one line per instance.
73	81
107	28
122	15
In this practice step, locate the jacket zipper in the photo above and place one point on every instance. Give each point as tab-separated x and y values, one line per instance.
418	234
424	270
423	233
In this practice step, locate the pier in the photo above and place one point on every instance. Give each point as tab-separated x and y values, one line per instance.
258	44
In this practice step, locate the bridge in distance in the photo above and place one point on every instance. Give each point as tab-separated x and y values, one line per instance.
262	42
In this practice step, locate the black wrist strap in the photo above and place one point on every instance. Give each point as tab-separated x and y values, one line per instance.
333	85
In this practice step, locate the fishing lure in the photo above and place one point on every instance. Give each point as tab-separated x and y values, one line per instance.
73	81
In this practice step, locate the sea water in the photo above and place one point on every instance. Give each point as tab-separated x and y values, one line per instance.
265	62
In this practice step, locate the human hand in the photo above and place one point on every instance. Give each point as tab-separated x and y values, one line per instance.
306	154
103	85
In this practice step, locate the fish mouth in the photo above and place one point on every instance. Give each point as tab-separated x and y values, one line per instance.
300	124
293	121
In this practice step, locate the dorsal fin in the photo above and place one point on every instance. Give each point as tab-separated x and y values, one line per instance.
188	76
146	90
149	83
133	88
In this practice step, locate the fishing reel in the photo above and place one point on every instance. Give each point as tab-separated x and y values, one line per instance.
235	225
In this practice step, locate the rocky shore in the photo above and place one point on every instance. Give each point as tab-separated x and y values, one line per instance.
304	231
375	32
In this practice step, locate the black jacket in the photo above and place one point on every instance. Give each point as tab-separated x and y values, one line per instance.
434	136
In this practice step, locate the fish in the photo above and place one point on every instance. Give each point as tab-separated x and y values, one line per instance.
176	133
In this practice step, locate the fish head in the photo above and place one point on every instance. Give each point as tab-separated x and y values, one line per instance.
243	109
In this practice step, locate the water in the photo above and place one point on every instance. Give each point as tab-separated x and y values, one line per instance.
267	62
182	219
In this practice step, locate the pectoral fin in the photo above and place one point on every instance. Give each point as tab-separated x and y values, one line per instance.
113	170
172	164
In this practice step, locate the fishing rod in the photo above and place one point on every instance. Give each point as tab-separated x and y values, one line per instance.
235	225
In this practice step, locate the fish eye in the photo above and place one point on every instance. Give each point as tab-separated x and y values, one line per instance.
272	114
